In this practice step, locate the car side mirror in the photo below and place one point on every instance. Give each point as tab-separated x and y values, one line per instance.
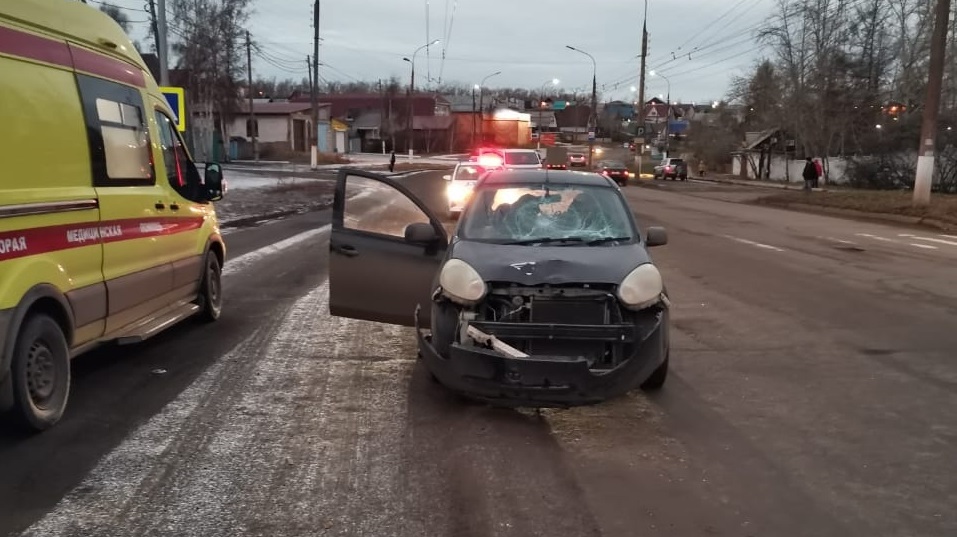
447	177
656	236
420	233
214	182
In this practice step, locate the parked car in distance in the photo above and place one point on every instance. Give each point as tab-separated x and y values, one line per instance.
672	168
546	294
614	170
578	160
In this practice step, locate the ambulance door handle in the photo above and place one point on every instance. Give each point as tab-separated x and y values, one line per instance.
174	206
160	205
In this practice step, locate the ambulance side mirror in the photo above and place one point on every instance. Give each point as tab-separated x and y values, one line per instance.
213	180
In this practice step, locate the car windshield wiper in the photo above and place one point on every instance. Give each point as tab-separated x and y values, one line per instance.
603	240
544	240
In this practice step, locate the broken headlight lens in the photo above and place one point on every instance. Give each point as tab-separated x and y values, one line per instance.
641	288
461	283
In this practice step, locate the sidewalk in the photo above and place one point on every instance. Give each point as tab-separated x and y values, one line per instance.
735	180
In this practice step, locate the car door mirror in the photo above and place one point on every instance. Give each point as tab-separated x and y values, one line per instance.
214	182
656	236
420	233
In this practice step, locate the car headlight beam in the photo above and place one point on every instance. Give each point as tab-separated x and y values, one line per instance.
641	288
461	283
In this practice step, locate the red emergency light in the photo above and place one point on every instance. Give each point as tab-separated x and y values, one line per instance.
490	160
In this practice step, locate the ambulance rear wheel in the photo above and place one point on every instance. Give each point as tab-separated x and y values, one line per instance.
211	293
40	373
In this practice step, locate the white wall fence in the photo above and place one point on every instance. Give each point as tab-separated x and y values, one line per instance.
782	169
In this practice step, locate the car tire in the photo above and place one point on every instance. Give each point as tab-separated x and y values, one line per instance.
657	378
210	297
40	373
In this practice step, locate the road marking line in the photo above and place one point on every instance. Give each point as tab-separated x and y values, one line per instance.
928	239
875	237
842	241
949	236
925	246
242	262
752	243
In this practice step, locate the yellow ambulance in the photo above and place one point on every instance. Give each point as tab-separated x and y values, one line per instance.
107	230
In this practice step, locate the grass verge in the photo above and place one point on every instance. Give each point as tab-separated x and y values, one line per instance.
942	208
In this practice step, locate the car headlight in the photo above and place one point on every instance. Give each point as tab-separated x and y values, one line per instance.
641	288
458	192
461	283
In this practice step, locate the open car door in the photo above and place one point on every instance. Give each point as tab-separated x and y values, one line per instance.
385	249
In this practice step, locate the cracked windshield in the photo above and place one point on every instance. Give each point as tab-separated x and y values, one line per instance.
476	268
526	214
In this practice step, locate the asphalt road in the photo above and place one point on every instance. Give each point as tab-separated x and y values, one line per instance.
812	394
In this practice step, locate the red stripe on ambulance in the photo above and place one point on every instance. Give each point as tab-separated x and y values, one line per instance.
42	240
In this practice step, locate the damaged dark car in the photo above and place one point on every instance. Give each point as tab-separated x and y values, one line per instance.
544	296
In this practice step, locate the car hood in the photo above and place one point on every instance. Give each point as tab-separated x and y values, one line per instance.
536	265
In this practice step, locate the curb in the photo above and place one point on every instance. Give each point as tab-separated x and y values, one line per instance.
245	220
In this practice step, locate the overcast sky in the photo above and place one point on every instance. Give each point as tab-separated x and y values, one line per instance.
524	39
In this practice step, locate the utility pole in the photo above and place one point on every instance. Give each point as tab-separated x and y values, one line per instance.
253	128
594	114
315	86
928	134
161	48
473	115
640	150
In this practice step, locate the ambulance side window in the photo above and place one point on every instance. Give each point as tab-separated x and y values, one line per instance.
180	170
117	130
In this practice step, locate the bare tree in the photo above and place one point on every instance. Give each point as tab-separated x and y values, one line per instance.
208	40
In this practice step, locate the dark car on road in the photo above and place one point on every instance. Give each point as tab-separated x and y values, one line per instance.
545	295
614	170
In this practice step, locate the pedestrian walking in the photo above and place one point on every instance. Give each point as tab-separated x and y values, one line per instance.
392	162
701	167
818	170
809	174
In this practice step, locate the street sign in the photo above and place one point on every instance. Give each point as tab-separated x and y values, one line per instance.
176	97
641	130
559	105
591	135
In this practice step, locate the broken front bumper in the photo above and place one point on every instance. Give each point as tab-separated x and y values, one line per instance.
546	381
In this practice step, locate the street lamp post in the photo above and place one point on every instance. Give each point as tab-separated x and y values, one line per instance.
668	114
408	142
481	88
541	104
594	100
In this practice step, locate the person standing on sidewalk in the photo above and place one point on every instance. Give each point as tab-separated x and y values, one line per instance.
392	162
819	171
809	174
701	167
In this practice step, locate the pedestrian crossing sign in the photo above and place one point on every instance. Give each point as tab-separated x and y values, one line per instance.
177	101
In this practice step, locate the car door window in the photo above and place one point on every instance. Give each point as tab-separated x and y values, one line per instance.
117	130
374	207
181	173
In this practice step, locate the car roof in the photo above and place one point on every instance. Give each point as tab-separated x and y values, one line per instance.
537	176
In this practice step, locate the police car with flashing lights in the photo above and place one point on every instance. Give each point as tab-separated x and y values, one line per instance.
461	182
